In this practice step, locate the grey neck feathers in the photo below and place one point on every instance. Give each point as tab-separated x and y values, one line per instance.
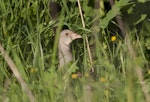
65	55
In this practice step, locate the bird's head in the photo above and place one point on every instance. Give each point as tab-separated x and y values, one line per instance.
67	36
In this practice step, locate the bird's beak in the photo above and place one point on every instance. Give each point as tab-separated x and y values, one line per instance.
75	36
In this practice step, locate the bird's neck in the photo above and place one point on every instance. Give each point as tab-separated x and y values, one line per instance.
65	55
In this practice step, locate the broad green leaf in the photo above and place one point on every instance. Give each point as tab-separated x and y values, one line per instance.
113	12
143	16
110	15
142	1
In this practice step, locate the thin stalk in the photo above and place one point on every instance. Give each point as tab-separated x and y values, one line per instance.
86	38
17	74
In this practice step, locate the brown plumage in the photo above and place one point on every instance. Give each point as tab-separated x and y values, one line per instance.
65	39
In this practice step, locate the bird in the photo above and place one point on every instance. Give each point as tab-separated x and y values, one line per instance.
64	46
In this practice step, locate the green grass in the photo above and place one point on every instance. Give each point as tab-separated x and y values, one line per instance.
26	33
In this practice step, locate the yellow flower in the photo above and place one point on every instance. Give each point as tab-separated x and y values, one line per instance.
113	38
87	75
33	70
74	76
148	71
107	92
102	79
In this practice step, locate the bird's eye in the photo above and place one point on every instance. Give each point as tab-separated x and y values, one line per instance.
67	34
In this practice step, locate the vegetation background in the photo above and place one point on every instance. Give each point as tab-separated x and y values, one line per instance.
118	34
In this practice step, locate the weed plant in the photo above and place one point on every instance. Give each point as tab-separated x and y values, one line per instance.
28	36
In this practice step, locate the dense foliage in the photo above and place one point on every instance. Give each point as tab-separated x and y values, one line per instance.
29	33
